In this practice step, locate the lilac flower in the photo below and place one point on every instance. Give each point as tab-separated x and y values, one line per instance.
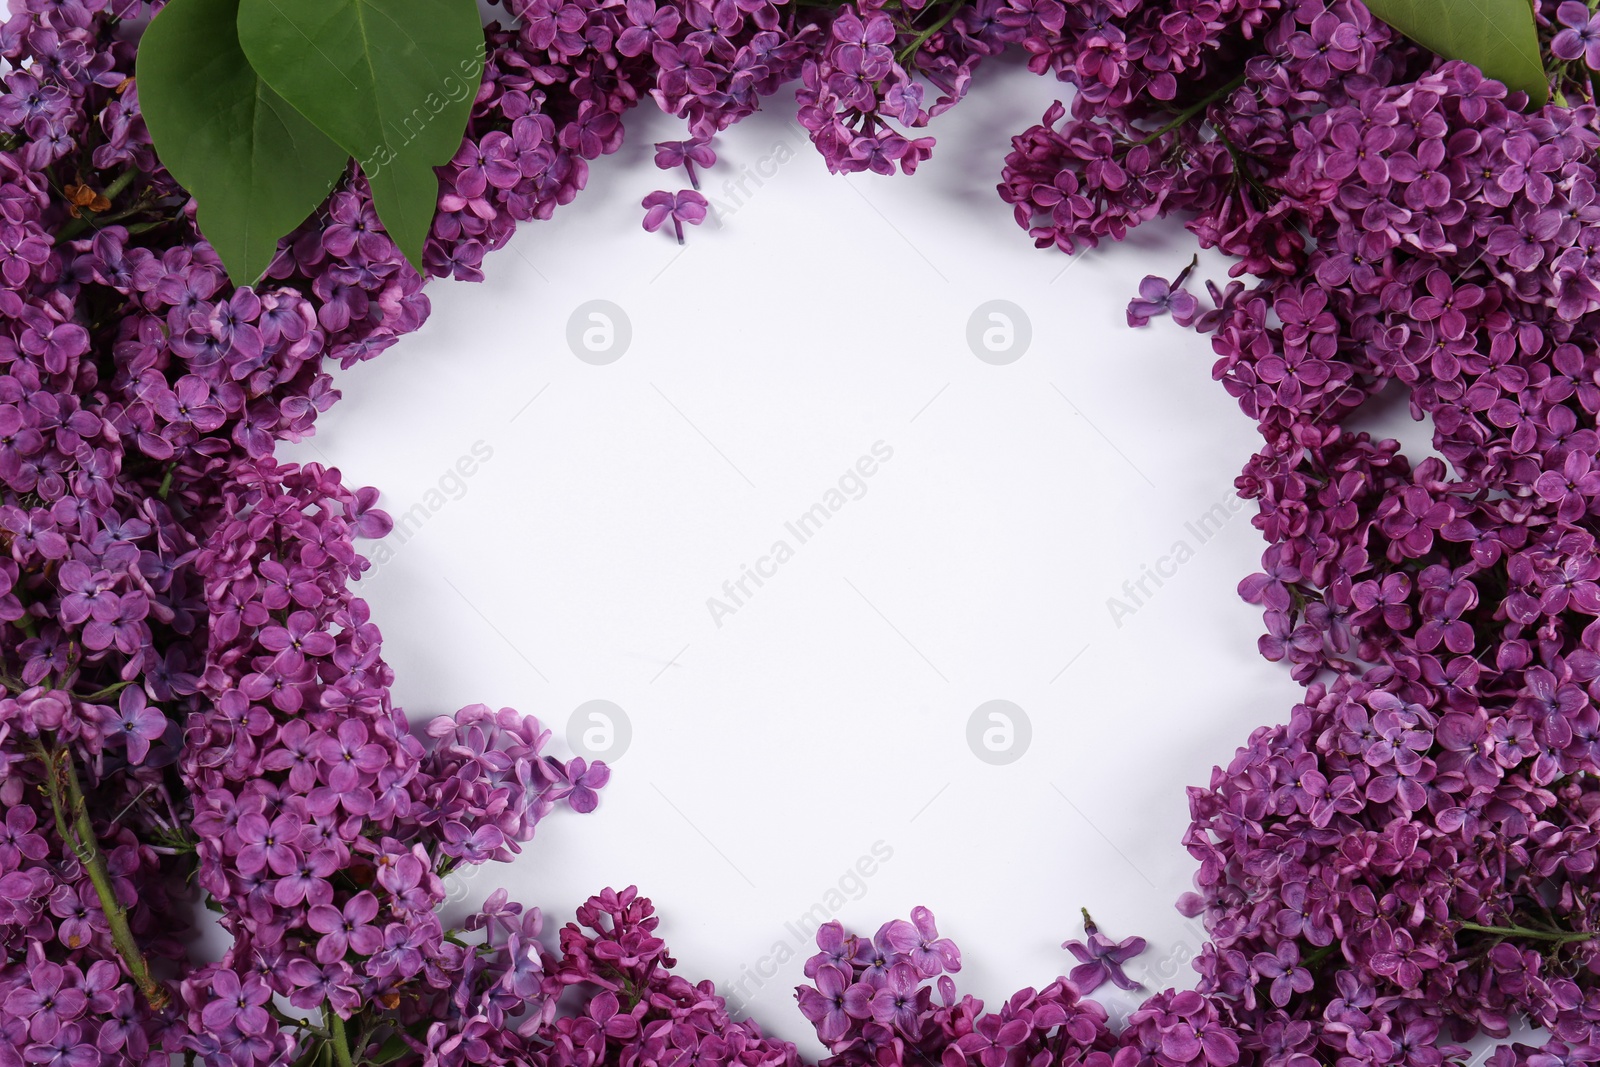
896	1003
20	252
474	846
524	977
648	24
1101	959
331	984
268	843
18	839
824	1004
685	154
46	1001
1283	970
137	723
992	1040
67	1047
350	754
346	929
586	778
1579	37
238	1002
681	207
1186	1030
1158	297
932	955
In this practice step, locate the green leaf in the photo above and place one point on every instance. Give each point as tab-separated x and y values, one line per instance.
256	167
392	81
1498	36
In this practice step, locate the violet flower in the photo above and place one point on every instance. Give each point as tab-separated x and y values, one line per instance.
1101	959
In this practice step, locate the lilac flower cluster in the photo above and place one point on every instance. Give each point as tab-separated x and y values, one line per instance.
858	83
872	1003
503	1007
322	827
192	692
1430	809
557	85
1410	860
1164	122
635	1010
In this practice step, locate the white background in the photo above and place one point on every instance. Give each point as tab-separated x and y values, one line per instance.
829	712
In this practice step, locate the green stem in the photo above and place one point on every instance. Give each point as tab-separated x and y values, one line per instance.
1313	958
922	38
119	183
101	694
115	216
1190	112
1561	936
88	221
84	223
146	227
293	1021
72	230
77	830
337	1038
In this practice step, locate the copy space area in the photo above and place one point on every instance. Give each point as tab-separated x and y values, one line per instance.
904	570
